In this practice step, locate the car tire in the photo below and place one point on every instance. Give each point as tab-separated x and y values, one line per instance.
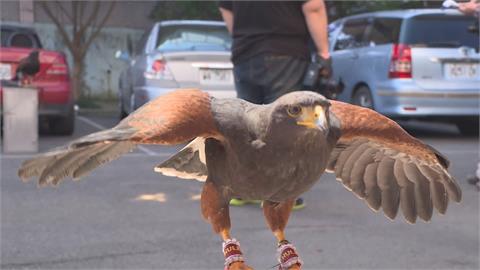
468	126
363	97
122	113
64	125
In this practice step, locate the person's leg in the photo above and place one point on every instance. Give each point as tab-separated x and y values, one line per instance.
248	88
246	85
283	74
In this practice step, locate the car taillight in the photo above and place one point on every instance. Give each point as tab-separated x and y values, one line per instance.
401	62
158	70
158	66
57	69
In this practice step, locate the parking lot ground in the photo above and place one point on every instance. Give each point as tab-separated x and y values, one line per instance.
126	216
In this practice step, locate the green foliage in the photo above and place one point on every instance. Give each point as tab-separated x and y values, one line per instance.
185	10
338	9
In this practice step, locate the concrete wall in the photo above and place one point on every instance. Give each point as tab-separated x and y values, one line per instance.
9	11
102	69
130	14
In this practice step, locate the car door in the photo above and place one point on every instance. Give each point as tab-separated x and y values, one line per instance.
135	72
382	34
346	54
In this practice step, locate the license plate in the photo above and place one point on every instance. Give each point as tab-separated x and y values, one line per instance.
5	72
464	71
216	76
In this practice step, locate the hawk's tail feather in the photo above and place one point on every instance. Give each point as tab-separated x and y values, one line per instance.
77	159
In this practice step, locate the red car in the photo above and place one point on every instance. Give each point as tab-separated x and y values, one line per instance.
56	106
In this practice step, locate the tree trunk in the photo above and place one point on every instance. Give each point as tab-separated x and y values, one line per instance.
77	78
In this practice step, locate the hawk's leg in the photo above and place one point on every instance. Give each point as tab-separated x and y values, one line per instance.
215	209
277	215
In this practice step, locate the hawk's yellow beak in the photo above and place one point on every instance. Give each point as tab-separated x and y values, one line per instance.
313	117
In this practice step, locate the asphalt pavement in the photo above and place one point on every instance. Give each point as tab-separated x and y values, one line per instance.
126	216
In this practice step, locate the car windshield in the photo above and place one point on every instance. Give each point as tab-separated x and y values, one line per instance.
21	39
442	31
194	38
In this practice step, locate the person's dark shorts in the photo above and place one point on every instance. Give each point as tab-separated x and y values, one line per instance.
263	79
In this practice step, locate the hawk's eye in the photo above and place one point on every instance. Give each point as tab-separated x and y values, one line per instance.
294	110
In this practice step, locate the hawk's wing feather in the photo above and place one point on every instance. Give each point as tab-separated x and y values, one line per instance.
188	163
174	118
381	163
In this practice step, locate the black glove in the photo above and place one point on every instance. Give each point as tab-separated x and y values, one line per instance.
325	65
318	78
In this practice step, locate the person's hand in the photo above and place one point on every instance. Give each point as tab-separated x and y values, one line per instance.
326	63
469	8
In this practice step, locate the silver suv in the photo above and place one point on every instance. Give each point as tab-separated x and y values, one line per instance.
422	64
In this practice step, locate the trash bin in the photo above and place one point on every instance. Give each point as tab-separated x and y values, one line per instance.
20	120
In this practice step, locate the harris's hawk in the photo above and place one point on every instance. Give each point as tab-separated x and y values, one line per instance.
269	152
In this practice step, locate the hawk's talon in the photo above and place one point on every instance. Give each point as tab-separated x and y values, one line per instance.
233	255
288	256
238	266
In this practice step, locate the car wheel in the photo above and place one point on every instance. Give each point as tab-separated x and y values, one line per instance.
64	125
468	126
123	113
363	97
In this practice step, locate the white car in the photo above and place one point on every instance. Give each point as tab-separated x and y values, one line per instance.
177	54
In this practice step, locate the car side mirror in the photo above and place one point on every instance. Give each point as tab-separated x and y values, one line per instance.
122	55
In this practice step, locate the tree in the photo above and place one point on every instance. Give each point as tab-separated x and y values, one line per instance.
86	20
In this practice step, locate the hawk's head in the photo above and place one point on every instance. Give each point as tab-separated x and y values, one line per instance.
300	112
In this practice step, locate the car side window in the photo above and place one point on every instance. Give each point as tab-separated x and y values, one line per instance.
352	35
384	31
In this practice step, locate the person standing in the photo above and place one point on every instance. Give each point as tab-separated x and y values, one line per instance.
270	50
472	8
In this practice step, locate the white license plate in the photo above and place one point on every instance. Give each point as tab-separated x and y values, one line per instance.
211	76
5	72
462	71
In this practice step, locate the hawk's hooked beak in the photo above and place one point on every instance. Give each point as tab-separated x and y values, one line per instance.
313	117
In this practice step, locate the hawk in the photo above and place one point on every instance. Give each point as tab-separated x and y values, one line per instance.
271	152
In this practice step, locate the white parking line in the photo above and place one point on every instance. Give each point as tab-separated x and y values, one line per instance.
134	155
100	127
90	122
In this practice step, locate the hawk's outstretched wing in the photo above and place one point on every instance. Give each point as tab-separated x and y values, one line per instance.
382	164
174	118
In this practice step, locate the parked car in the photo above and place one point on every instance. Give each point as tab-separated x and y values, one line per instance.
177	54
421	64
56	104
